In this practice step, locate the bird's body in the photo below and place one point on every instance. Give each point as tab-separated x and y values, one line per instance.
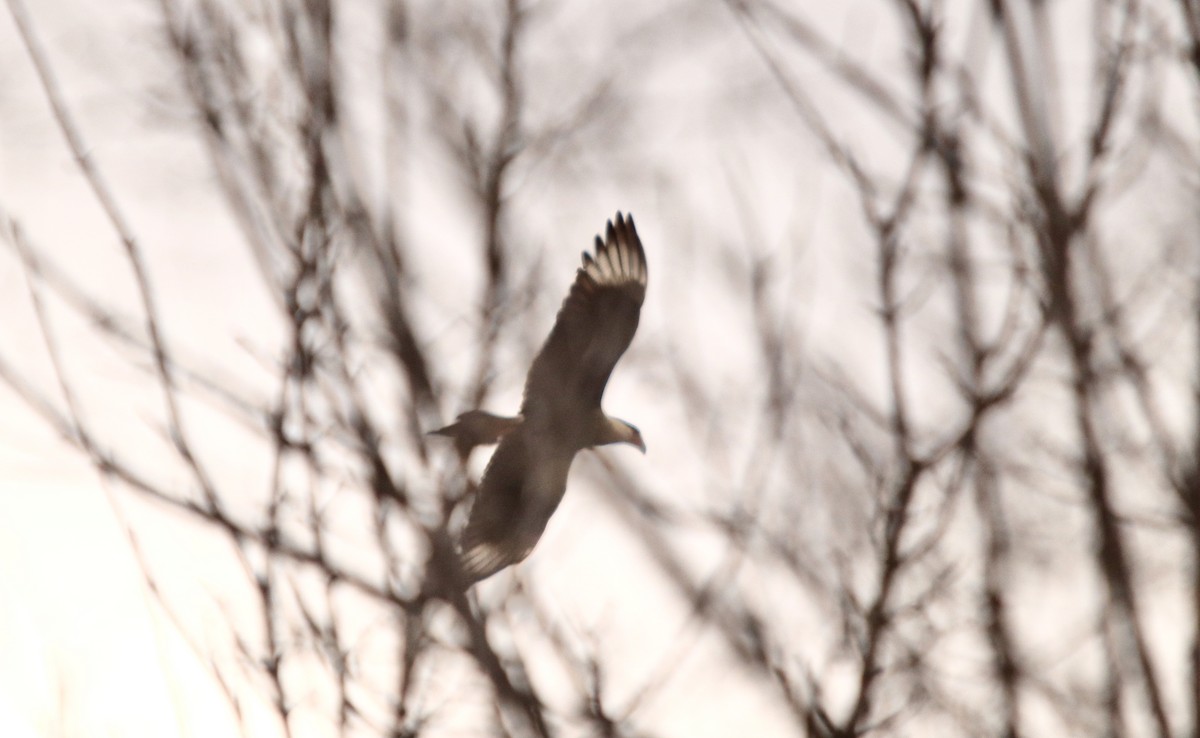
560	414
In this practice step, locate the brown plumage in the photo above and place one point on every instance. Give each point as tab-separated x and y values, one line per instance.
476	428
560	415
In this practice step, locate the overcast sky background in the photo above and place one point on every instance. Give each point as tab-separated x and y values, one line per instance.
84	649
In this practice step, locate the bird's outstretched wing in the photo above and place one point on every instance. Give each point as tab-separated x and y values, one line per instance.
521	488
594	326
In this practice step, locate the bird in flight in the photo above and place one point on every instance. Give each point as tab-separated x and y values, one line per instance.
560	415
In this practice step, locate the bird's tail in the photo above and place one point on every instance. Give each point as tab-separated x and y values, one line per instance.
477	428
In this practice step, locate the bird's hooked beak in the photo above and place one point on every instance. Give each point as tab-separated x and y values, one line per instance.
614	430
637	441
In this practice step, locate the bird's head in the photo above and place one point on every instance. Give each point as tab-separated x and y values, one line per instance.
618	431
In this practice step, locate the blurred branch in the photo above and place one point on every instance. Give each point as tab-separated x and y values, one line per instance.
104	196
861	492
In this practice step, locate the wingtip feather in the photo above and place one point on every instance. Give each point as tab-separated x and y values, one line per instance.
482	560
622	256
618	256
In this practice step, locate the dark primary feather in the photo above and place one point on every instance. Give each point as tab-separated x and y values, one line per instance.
527	476
594	326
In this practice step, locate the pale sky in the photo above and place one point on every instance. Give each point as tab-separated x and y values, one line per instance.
85	650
